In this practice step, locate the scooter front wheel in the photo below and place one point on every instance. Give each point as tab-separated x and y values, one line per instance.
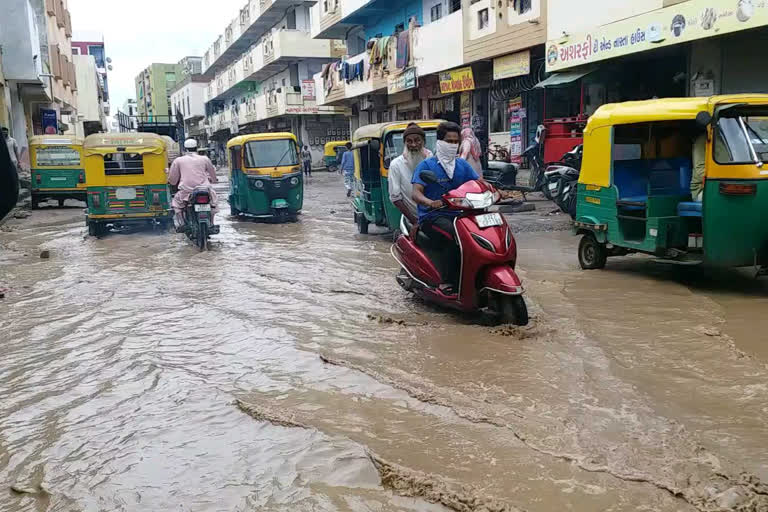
513	310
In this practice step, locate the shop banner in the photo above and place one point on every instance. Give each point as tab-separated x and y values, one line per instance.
49	122
308	89
688	21
516	114
514	64
466	109
457	80
402	82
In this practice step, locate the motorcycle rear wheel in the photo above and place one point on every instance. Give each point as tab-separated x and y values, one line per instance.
202	236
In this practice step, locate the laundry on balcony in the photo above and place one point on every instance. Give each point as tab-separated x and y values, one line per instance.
350	72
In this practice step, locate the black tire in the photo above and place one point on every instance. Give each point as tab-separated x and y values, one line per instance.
202	236
95	229
61	203
234	212
362	224
592	254
34	202
513	310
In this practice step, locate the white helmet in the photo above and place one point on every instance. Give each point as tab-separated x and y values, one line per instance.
190	144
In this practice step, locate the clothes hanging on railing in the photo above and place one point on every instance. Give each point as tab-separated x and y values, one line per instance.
403	49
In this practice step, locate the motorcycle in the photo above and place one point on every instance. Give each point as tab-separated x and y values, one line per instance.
198	218
488	283
535	156
561	180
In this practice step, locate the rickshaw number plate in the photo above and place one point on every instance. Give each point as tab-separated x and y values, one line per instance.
125	193
202	207
488	220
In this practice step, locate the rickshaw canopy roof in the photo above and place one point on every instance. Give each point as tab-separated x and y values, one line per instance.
106	143
665	109
377	131
242	139
55	140
330	146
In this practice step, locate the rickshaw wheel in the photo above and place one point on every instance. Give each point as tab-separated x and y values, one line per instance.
61	203
34	203
234	212
592	254
362	223
513	310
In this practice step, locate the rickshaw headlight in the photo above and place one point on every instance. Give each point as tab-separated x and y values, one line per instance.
294	181
258	184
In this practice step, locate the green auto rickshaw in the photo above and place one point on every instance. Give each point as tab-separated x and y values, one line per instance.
375	146
332	154
265	176
57	168
634	191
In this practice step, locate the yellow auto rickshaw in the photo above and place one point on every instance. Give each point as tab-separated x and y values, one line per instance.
172	149
375	146
332	154
635	188
57	168
265	177
126	181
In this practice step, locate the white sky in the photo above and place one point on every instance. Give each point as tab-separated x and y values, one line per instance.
140	32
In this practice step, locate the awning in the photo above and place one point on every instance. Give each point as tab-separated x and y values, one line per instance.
563	78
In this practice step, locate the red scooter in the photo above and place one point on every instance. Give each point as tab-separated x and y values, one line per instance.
488	282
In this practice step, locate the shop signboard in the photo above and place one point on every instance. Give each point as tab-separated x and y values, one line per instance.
516	114
514	64
457	80
402	82
308	89
681	23
49	121
466	109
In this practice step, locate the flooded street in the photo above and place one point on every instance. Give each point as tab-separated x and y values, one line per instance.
285	370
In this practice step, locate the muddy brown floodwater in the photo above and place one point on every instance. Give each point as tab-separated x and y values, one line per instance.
285	370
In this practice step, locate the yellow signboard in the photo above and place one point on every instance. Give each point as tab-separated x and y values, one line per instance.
681	23
457	80
514	64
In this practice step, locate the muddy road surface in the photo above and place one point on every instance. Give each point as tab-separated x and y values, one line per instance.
284	370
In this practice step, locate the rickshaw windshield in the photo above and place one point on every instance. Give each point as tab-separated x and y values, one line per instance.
741	136
394	144
270	153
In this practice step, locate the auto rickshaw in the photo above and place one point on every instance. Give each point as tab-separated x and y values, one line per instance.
375	146
265	176
332	154
634	192
57	168
172	149
126	181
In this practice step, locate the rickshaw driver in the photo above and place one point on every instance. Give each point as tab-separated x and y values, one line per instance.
187	173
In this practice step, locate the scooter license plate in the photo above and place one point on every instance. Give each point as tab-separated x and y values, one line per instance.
202	207
488	220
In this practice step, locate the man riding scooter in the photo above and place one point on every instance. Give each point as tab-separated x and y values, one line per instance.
187	173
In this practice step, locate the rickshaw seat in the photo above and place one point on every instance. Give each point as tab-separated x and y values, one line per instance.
689	209
635	180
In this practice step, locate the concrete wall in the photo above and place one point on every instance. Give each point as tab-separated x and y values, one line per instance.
88	103
574	17
433	51
507	30
20	41
63	95
390	13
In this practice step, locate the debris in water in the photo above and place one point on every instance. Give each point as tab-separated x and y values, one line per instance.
264	413
45	254
516	331
21	214
34	491
385	319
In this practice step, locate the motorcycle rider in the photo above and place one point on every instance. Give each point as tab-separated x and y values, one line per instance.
187	173
436	222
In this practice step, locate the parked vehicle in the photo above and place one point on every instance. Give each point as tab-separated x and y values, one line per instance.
375	146
126	183
534	156
198	218
489	284
332	154
634	192
57	170
265	177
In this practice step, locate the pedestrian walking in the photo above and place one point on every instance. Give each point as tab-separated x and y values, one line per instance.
348	168
306	158
13	148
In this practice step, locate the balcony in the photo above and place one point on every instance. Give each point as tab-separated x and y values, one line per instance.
289	102
432	52
244	30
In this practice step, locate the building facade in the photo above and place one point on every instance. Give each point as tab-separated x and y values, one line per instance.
260	73
93	44
90	97
188	100
153	91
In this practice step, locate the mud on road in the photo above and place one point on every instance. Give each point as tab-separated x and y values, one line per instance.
285	370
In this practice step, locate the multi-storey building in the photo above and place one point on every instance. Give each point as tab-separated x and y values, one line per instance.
90	97
153	91
261	76
86	43
188	99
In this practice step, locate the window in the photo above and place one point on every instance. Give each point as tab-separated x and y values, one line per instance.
455	5
57	156
270	153
436	12
482	19
394	144
741	137
189	110
75	50
521	6
98	55
116	164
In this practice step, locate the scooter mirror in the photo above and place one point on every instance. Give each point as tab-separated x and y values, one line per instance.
428	177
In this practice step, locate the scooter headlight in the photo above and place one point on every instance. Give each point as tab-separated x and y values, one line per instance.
480	201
